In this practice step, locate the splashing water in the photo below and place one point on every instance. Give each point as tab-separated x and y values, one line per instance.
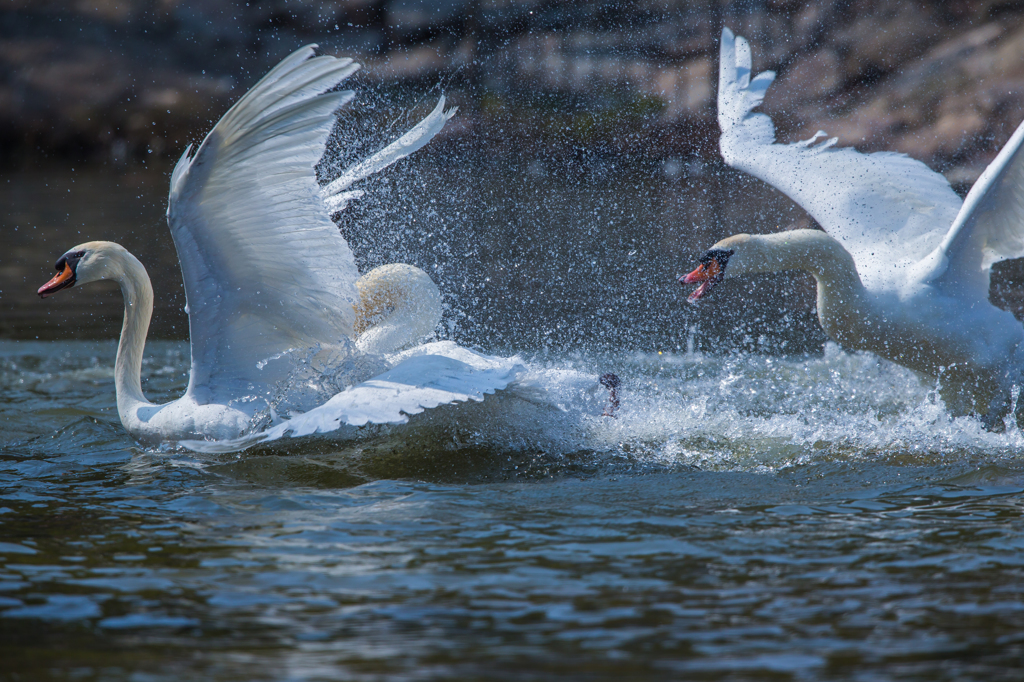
735	412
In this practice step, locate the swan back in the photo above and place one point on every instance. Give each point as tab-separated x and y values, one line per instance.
398	305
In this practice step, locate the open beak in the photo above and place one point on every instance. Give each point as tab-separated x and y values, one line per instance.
710	272
707	275
62	280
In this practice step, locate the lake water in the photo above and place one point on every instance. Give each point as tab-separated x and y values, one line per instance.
797	513
745	517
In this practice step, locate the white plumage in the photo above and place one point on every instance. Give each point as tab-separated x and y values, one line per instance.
422	378
273	293
904	268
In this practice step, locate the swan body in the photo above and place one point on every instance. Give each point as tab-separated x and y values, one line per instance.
902	269
282	328
406	297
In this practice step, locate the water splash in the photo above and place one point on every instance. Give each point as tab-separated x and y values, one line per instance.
739	412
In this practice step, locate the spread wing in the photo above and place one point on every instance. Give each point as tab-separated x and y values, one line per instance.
989	228
269	280
266	271
337	193
888	210
417	383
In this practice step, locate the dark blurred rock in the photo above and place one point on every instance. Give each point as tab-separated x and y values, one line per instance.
884	36
117	79
952	107
813	21
74	98
810	76
412	18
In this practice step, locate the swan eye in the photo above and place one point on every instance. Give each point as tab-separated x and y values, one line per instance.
69	259
719	257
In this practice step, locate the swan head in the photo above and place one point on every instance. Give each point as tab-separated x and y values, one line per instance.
812	251
398	306
713	264
88	262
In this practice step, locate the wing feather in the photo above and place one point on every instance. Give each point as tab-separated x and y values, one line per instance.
335	194
888	210
989	227
268	277
417	383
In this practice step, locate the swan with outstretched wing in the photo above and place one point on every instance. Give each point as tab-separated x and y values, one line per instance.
286	337
903	266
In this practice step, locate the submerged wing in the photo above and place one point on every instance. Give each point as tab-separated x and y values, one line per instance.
417	383
269	280
888	210
990	226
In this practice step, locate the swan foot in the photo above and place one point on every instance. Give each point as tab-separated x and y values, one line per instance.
611	382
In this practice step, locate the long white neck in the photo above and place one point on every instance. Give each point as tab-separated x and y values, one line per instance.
844	305
138	310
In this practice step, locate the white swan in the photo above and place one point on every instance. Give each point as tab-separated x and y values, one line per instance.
279	320
903	270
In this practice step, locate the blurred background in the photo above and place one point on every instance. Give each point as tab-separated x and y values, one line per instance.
580	176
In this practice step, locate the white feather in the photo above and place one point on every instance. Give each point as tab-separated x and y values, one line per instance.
397	150
888	210
264	267
424	378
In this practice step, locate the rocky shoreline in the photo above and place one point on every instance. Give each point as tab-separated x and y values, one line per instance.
116	81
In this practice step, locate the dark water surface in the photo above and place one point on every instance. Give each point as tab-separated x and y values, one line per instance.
744	518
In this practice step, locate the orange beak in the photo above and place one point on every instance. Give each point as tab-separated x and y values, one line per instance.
61	280
703	273
707	275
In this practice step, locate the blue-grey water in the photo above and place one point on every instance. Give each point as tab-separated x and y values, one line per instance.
745	517
762	508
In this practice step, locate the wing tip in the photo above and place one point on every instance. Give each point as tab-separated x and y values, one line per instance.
181	170
418	136
446	113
